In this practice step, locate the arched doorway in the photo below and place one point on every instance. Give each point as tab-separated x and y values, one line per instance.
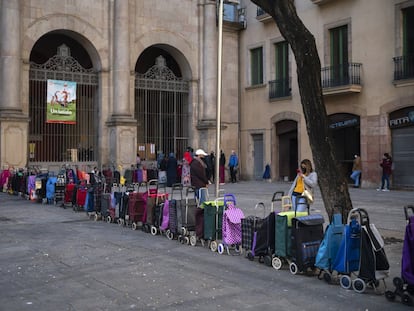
345	129
287	133
63	102
161	105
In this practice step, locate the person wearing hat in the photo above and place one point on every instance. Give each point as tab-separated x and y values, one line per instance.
198	173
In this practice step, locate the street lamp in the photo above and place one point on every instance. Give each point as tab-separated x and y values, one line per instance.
218	106
219	79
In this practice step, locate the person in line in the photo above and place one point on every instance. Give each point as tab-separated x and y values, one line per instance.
356	171
386	165
185	170
213	166
222	167
198	174
171	170
306	179
233	164
138	160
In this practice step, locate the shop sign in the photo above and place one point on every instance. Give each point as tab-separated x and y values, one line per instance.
402	118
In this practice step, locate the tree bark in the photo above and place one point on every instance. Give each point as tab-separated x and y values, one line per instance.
332	182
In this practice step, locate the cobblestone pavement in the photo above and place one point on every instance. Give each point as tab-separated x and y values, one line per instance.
56	259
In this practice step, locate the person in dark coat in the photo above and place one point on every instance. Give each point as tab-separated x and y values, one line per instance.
386	165
171	170
222	167
198	173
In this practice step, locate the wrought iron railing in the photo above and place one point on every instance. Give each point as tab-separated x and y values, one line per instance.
340	75
404	67
279	88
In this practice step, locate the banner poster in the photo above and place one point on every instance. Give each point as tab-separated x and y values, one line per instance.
61	102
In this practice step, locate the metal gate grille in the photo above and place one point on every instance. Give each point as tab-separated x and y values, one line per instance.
56	142
161	109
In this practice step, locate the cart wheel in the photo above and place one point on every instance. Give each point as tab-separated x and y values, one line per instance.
202	242
390	295
180	239
358	285
238	249
268	260
277	263
250	255
293	268
184	230
154	230
327	277
213	246
134	226
406	299
193	240
345	281
109	219
220	248
169	235
398	283
186	240
120	222
96	217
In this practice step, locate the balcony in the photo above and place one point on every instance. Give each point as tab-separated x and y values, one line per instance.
404	70
262	16
279	88
341	79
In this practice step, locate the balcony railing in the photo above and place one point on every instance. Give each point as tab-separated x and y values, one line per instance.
404	67
279	88
341	75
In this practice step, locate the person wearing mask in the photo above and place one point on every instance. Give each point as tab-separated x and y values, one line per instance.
306	179
386	165
356	171
198	174
233	164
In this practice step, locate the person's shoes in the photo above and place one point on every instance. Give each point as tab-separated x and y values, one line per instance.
379	189
356	186
385	189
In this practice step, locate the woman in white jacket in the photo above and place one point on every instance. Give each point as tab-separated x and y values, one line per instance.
306	179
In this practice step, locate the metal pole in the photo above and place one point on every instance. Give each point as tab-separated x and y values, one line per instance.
218	107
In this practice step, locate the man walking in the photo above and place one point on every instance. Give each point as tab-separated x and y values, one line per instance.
233	164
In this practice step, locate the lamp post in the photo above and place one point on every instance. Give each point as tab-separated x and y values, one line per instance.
218	106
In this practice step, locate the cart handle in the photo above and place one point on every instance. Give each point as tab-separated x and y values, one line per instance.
406	208
362	213
262	205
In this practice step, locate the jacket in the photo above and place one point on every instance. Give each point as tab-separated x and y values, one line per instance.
310	182
198	173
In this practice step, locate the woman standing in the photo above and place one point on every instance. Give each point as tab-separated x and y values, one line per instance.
306	179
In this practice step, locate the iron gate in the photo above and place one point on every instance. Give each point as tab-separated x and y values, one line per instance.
57	142
161	109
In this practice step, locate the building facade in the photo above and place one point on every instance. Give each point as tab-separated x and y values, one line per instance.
93	82
140	76
366	53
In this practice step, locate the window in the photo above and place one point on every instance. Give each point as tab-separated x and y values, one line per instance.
339	55
280	86
404	60
408	31
256	62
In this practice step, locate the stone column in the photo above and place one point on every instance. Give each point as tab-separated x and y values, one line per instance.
122	127
10	57
13	123
121	72
209	62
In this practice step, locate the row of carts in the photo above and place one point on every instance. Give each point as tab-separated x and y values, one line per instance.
347	252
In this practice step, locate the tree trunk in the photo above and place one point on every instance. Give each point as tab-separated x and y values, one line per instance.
332	182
